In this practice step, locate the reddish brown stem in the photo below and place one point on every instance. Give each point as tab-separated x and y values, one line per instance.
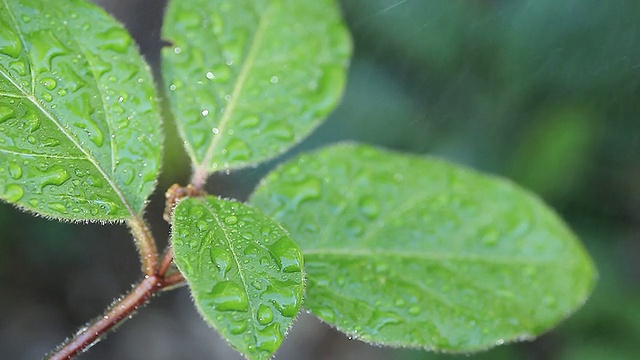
173	280
115	315
146	245
166	262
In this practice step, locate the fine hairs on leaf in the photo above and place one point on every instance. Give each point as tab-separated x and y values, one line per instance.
393	249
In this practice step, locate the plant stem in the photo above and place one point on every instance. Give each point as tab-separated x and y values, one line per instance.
166	262
146	245
120	311
199	177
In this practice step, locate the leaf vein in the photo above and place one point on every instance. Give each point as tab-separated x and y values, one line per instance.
237	89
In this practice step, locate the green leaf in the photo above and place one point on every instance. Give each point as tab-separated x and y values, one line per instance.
411	251
248	79
79	126
244	271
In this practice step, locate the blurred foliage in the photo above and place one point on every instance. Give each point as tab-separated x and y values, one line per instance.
545	92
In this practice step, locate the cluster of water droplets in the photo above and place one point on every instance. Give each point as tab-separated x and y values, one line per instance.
253	283
73	106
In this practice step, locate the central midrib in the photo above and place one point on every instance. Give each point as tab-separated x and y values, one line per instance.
237	89
53	119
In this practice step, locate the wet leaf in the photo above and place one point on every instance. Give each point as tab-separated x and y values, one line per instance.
244	272
411	251
248	79
79	127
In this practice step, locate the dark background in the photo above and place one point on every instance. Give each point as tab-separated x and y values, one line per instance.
544	92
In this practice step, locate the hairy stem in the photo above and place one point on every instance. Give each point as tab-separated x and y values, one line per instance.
199	177
146	245
167	259
120	311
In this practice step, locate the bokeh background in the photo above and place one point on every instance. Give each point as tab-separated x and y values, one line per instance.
544	92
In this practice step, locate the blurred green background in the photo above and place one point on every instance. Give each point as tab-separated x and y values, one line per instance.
544	92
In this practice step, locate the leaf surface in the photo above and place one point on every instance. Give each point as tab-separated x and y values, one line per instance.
244	272
247	79
79	126
411	251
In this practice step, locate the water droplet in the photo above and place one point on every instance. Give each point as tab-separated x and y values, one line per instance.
399	302
265	315
269	338
284	299
18	66
25	18
250	122
6	113
286	255
251	251
369	207
238	327
257	285
325	313
58	207
55	175
202	225
210	75
381	318
329	84
48	83
265	231
115	39
204	112
50	142
45	47
414	310
92	130
177	50
308	189
15	171
95	182
13	192
227	296
274	80
221	259
238	150
31	139
280	131
31	121
231	220
10	43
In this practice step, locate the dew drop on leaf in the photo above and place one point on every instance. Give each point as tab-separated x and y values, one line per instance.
285	300
287	258
49	83
57	207
265	315
238	327
227	295
369	207
221	259
13	192
15	171
6	113
54	175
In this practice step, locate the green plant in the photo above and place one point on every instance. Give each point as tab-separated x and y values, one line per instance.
392	249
